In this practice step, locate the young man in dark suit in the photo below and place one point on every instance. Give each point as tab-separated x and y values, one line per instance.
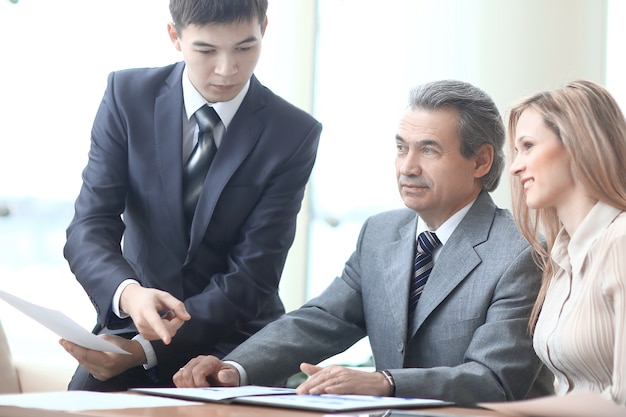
197	273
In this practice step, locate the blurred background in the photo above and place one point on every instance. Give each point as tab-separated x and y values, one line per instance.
350	63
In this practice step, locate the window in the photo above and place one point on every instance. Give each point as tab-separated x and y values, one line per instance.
54	74
369	55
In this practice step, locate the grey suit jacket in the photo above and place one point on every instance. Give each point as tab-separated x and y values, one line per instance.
469	342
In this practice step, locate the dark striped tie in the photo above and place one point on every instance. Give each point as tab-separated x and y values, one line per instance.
196	167
427	242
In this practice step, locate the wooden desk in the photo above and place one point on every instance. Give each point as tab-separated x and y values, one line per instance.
218	410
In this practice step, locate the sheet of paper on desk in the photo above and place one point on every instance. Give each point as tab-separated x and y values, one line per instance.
336	403
60	324
578	404
287	398
220	394
84	400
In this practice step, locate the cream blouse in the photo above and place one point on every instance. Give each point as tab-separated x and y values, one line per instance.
581	330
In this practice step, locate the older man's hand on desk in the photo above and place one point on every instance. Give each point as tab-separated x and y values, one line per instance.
206	371
106	365
340	380
210	371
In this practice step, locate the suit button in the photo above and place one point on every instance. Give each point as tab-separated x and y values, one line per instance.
401	347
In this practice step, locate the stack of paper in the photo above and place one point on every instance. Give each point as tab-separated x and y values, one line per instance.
287	398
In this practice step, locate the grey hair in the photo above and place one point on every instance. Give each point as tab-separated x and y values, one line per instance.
479	121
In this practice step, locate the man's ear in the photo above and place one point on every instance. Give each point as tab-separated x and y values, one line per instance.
483	160
263	26
173	34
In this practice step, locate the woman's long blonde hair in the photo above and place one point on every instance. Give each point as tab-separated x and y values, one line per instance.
589	122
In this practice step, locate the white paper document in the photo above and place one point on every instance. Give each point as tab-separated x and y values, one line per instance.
333	403
215	394
577	404
60	324
84	400
287	398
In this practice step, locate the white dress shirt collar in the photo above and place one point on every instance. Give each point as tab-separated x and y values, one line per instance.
193	100
446	229
573	249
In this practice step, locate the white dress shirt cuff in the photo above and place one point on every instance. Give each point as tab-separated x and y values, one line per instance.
243	375
116	297
151	359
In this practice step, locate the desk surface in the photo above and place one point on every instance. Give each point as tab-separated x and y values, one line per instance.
219	410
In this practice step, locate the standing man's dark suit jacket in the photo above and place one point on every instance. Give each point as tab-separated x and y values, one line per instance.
228	267
469	341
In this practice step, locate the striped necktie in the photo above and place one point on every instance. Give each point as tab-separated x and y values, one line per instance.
427	242
196	167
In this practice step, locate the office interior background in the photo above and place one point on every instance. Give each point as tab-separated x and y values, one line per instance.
350	63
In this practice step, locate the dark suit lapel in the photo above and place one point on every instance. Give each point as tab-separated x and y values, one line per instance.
238	141
396	275
168	141
457	258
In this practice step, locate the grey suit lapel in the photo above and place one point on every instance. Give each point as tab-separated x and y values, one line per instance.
457	259
396	276
238	141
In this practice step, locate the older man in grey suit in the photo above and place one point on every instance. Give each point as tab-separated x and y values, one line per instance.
465	338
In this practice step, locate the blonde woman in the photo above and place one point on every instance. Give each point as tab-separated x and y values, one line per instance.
568	151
